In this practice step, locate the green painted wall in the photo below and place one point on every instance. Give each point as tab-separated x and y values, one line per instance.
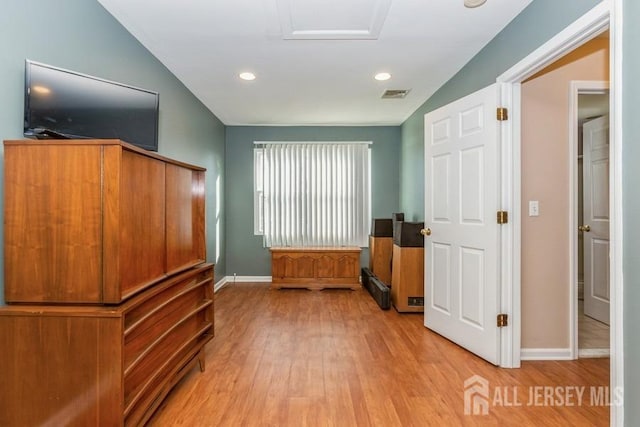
80	35
631	208
245	253
541	20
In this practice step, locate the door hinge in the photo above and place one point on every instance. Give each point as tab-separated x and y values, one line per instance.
503	320
502	114
503	217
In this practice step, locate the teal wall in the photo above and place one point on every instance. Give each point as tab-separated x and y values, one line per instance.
245	254
541	20
631	208
80	35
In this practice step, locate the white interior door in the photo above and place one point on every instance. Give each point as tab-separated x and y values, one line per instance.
595	225
461	201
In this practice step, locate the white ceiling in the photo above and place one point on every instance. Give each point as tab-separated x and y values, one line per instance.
314	59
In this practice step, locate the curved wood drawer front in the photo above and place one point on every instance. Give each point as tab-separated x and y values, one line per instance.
149	398
153	332
146	381
128	373
138	313
163	331
150	328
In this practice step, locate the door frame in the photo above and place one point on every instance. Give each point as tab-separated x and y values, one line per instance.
577	87
605	15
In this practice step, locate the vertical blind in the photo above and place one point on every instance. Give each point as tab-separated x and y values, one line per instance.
315	194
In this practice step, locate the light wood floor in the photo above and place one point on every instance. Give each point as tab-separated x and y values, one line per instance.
333	358
592	334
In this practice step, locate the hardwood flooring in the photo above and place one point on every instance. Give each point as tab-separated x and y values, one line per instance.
333	358
592	334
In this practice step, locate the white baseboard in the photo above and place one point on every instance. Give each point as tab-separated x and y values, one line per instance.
240	279
545	354
594	352
221	284
244	279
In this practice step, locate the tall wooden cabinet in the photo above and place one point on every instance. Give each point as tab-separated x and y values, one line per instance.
110	300
98	219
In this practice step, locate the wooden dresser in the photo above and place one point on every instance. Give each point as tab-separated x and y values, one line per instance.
315	267
110	300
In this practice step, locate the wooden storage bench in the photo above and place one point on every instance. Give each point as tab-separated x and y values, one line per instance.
315	267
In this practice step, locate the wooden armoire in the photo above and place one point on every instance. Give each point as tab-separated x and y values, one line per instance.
109	298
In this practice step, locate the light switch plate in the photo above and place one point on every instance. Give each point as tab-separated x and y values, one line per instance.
534	208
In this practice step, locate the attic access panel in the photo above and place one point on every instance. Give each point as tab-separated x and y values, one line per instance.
332	19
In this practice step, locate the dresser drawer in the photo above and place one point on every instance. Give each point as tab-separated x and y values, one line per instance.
157	362
146	324
162	332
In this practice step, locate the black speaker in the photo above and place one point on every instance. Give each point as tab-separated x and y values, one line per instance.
381	227
378	290
407	234
366	274
398	216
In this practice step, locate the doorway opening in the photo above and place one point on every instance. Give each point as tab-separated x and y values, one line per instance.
551	199
590	259
602	17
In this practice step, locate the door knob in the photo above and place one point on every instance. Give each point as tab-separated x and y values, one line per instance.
584	228
425	232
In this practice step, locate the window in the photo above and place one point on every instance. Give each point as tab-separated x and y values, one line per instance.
258	191
312	194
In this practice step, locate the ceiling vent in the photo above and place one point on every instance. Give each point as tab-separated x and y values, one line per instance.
395	93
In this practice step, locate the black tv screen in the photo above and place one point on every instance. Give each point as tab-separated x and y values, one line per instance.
65	104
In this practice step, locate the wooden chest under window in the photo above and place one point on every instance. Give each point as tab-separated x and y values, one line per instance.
315	267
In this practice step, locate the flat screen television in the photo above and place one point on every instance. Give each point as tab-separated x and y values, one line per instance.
60	103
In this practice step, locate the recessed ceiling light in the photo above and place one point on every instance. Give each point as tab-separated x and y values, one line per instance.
474	3
382	76
247	76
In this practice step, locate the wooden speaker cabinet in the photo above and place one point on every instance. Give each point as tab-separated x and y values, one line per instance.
380	252
407	283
